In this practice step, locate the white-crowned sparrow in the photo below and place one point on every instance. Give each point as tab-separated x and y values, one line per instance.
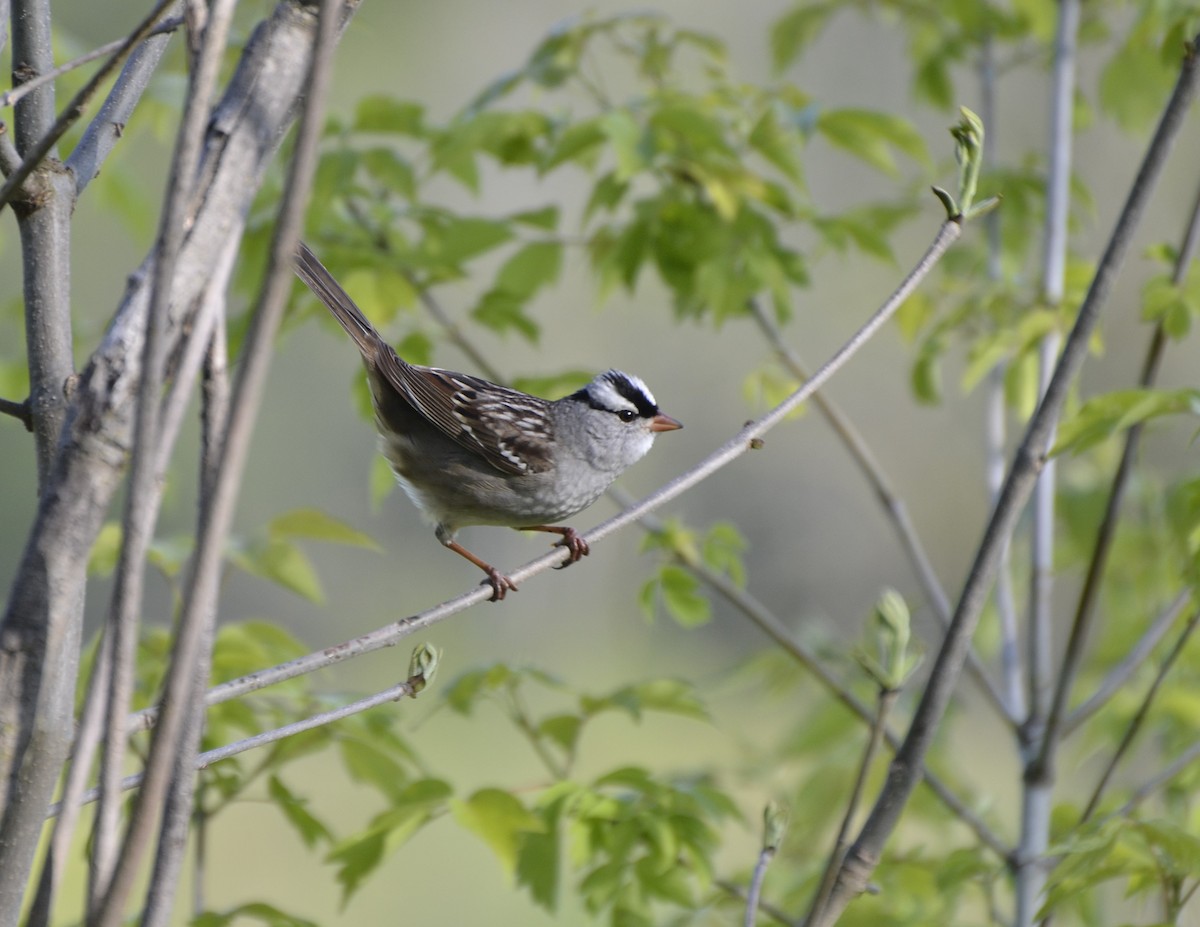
471	452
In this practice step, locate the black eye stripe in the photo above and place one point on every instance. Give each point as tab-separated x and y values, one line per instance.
634	396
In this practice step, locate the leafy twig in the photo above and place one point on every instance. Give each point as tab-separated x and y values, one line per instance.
902	778
774	826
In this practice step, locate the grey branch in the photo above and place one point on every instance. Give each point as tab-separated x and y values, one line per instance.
406	689
102	133
243	136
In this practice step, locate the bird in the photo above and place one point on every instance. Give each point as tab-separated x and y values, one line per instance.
467	451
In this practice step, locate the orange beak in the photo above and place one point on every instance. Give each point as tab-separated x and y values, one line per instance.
664	423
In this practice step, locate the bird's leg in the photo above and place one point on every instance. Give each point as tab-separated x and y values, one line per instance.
500	583
571	540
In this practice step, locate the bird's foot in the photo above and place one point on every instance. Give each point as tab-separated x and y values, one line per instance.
501	584
576	547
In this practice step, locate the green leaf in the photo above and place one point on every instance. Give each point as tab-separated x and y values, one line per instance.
666	695
1103	416
580	142
780	145
607	194
871	136
500	819
282	563
456	239
793	32
625	137
532	267
562	729
392	171
927	374
294	808
681	597
106	550
359	855
381	113
503	311
370	762
723	546
1170	305
538	859
989	351
464	692
1180	845
1134	84
316	525
932	80
545	218
381	481
259	911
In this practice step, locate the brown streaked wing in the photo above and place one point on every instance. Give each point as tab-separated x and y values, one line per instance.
507	428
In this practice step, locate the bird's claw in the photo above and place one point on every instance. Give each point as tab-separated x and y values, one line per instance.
576	547
500	584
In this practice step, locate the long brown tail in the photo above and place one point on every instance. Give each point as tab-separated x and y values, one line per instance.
338	301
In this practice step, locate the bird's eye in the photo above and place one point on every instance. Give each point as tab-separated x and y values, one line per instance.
627	415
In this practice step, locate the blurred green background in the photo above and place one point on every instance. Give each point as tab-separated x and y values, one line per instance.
820	549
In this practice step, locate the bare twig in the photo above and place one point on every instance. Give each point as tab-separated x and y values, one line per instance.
1135	723
995	430
178	808
1157	781
12	96
904	773
1037	792
1137	655
1006	604
754	894
18	410
732	888
883	707
144	486
33	154
891	501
